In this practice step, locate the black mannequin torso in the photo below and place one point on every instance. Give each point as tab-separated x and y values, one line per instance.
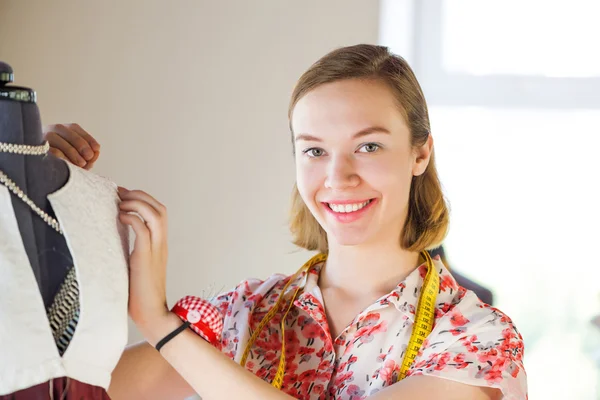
28	356
37	176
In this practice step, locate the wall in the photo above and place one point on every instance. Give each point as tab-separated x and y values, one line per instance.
189	102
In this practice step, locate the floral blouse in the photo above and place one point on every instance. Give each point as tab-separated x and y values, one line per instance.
471	342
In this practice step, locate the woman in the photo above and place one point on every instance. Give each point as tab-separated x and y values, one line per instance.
368	196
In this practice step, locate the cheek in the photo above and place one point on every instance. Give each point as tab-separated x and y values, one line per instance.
392	177
308	179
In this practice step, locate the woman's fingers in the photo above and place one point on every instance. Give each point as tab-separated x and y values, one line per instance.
90	163
58	153
148	260
59	143
150	216
75	139
94	145
142	204
144	197
74	142
142	233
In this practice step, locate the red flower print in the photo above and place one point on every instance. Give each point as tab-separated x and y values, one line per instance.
442	361
446	307
369	320
512	345
508	334
493	373
488	355
367	356
470	343
355	393
505	319
318	389
272	299
351	361
372	329
304	389
438	314
389	370
457	331
459	361
342	378
291	366
303	321
324	376
289	380
321	352
447	282
272	341
270	356
308	375
305	350
311	331
252	300
292	343
513	370
457	319
262	373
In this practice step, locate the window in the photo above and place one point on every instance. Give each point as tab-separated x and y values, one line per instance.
514	96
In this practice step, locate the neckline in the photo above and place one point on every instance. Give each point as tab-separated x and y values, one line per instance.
57	192
67	184
19	240
401	296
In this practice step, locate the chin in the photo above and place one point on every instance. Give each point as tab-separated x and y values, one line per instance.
346	239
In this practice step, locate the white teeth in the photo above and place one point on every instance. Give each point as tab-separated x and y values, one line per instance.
347	208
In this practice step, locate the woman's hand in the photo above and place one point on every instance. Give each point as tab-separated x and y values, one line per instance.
72	143
148	262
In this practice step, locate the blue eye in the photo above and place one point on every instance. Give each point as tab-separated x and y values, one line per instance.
369	148
314	152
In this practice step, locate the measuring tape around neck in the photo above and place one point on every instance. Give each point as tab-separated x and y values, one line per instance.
422	327
424	315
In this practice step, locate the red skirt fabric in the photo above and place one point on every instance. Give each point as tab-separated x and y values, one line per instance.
59	389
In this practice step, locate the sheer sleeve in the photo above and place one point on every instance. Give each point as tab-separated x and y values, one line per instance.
475	344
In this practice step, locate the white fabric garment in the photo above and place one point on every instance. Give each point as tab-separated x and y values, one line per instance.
87	210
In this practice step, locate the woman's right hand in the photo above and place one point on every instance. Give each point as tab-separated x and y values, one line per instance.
72	143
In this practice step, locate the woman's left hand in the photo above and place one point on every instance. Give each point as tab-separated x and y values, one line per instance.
148	262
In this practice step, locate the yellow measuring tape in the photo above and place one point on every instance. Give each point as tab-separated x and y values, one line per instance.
422	327
424	317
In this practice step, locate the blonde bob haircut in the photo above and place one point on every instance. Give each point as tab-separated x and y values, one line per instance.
427	221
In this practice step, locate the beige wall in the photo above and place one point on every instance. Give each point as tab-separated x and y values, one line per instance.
189	101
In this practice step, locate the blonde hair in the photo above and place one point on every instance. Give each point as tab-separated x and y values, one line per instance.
427	221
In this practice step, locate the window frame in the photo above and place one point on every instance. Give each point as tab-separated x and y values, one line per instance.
413	29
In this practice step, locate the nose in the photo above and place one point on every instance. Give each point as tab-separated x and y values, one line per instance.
341	173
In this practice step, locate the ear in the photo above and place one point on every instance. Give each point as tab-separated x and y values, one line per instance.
422	157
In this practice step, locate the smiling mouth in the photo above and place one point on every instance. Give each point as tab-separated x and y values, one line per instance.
348	208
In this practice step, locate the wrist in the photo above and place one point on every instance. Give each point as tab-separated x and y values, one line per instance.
159	328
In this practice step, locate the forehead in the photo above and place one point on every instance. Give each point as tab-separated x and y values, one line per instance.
347	107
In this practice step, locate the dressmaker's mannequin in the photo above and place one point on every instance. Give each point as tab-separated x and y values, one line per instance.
37	176
60	344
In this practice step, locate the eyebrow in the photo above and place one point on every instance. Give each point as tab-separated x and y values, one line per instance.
361	133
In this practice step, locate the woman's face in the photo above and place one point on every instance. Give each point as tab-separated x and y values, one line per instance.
354	161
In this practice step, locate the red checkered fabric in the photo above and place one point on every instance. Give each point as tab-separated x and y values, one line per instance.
204	318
